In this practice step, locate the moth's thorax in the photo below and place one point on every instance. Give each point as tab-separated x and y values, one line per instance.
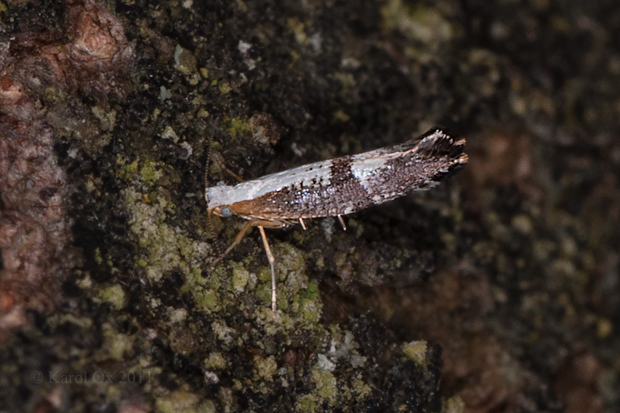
343	185
218	196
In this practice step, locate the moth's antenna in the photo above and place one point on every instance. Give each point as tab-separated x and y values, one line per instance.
209	146
210	230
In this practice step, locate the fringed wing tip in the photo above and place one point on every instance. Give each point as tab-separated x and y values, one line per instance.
438	143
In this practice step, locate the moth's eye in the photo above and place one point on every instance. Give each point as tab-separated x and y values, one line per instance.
225	211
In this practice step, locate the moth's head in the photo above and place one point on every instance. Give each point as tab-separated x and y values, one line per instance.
222	211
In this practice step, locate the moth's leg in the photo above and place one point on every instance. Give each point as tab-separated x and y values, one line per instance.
236	241
234	175
344	226
272	261
303	225
218	158
260	224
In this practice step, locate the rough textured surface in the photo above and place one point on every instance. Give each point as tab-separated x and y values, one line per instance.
39	72
511	269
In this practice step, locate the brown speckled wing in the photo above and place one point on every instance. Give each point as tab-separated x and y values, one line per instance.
359	181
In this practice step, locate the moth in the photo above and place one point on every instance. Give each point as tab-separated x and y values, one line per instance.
336	187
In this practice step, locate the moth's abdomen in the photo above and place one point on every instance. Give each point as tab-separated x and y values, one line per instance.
357	182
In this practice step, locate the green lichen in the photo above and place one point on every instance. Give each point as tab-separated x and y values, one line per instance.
98	257
424	24
341	116
224	333
126	170
207	300
291	258
169	133
296	294
307	404
208	293
453	405
297	27
238	127
114	295
361	389
85	283
159	241
311	292
183	401
224	88
107	120
266	367
149	173
263	289
185	61
326	385
311	309
416	352
115	344
83	323
215	361
240	277
53	95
